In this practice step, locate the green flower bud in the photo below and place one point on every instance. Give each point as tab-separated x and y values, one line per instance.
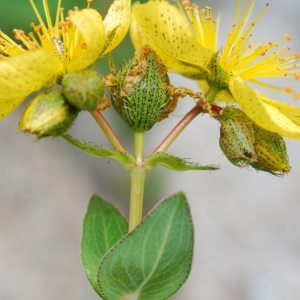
84	90
245	143
139	95
48	115
237	141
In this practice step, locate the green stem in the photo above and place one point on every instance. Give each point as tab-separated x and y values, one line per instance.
211	94
139	141
109	133
167	142
194	112
137	181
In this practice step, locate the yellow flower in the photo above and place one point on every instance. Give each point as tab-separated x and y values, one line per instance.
187	43
69	44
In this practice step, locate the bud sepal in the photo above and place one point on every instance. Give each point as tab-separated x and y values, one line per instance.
139	93
83	90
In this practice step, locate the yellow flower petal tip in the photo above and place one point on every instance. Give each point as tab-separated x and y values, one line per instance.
116	23
90	27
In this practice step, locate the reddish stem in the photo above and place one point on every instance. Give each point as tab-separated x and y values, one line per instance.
109	133
216	108
166	143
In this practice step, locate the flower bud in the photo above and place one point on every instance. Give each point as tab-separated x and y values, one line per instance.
245	143
48	115
84	90
237	141
140	96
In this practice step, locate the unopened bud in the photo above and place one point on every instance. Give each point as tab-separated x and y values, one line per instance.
245	143
140	96
48	115
237	137
84	90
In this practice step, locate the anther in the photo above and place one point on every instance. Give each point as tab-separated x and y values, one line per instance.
263	52
33	46
185	3
62	23
288	89
287	36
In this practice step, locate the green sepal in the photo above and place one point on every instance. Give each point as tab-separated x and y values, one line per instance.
174	163
83	90
103	226
125	158
140	96
154	260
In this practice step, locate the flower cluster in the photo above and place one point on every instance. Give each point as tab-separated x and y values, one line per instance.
69	44
186	39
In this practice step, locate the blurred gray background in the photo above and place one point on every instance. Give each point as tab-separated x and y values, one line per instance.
247	223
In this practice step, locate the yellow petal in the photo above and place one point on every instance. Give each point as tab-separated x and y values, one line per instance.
136	35
22	74
165	27
118	19
223	96
90	25
290	111
266	116
173	64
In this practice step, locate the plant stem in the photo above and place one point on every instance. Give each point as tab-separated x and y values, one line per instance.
211	94
166	143
109	133
139	141
194	112
137	176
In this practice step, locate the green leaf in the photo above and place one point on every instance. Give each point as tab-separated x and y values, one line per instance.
103	227
173	163
125	158
154	260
